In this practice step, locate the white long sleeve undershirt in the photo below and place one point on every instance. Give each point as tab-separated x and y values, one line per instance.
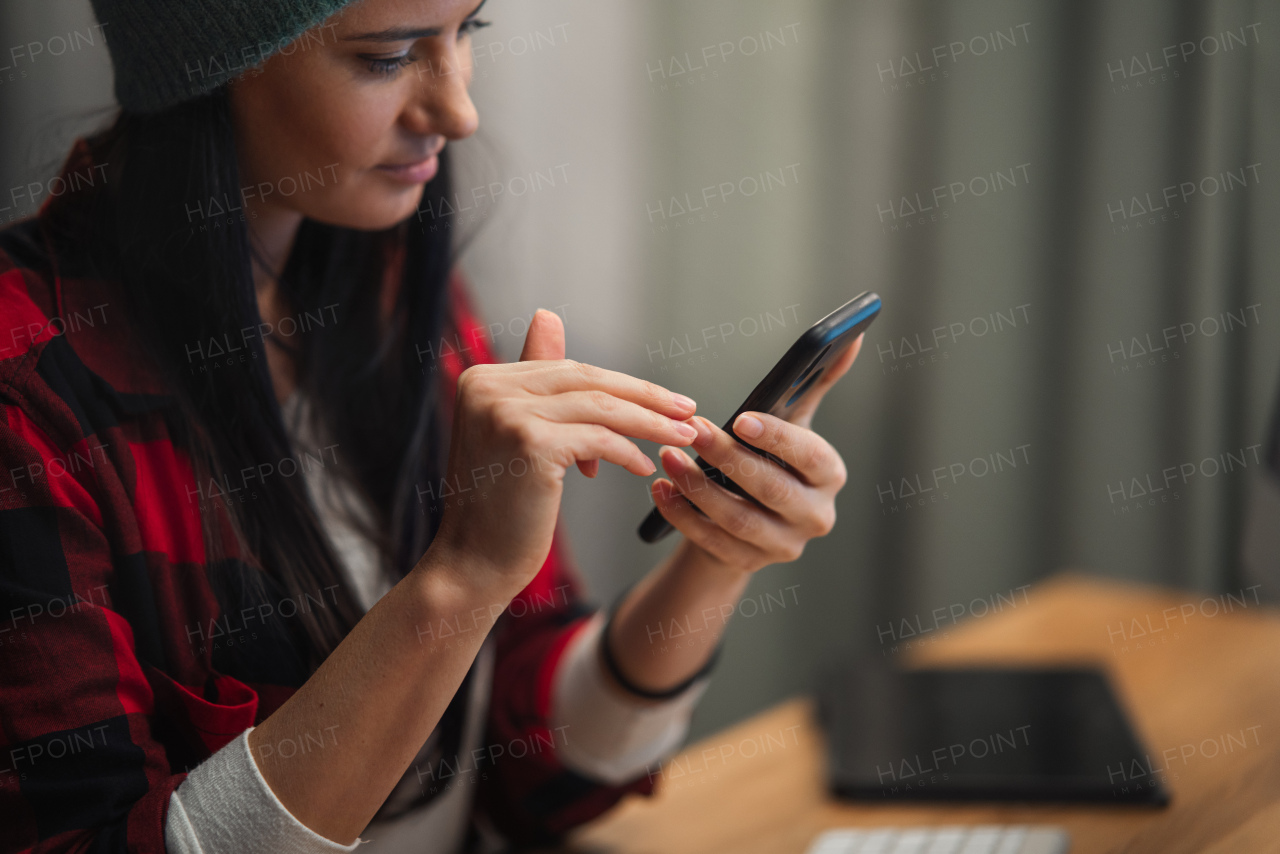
225	804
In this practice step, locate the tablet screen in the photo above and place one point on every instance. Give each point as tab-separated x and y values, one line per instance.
984	734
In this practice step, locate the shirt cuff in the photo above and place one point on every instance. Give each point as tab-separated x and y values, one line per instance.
225	804
610	735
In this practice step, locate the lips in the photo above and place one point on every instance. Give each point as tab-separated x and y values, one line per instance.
417	172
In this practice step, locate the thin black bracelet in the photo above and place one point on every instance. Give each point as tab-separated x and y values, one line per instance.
612	665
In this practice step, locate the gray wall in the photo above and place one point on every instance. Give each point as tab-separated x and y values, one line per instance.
55	82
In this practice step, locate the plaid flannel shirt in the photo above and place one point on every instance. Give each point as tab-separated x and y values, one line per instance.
122	662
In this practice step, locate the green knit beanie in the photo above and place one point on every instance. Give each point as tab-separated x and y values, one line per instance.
169	51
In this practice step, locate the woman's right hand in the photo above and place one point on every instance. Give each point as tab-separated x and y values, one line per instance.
517	428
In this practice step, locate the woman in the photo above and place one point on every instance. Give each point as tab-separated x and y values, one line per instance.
253	604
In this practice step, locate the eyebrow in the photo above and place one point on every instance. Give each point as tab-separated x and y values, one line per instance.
400	34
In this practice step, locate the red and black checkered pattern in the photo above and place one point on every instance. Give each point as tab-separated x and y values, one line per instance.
122	662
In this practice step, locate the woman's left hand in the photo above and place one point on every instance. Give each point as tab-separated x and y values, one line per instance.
798	504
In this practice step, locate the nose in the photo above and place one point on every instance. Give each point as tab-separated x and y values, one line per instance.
440	103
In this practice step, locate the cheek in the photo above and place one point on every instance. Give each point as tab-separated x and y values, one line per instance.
355	127
362	197
326	139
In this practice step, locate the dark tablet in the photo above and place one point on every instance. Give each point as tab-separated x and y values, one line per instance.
983	734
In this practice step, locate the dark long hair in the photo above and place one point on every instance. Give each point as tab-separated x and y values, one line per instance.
190	285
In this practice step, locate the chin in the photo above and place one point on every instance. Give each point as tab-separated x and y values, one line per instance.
375	211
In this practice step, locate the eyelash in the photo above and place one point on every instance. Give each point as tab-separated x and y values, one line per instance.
391	66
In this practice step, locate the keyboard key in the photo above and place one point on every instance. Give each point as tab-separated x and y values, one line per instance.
982	840
946	840
912	841
879	841
1012	841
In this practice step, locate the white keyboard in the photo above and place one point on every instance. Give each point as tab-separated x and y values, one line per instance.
978	839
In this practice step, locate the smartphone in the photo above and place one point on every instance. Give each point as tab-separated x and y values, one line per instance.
785	386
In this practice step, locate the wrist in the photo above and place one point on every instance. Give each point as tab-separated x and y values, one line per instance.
449	581
617	673
693	559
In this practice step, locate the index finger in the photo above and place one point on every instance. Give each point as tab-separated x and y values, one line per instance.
568	375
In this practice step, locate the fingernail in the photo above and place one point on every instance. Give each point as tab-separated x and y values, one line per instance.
672	458
748	426
681	400
686	430
704	432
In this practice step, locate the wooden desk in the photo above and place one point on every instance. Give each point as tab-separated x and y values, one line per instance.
1186	679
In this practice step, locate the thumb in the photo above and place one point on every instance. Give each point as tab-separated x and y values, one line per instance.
804	412
545	339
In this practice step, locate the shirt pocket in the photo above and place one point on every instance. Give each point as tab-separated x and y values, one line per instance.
195	725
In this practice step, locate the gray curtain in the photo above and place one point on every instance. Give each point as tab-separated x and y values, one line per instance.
999	172
1042	418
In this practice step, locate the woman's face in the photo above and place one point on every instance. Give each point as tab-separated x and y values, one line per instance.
344	126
